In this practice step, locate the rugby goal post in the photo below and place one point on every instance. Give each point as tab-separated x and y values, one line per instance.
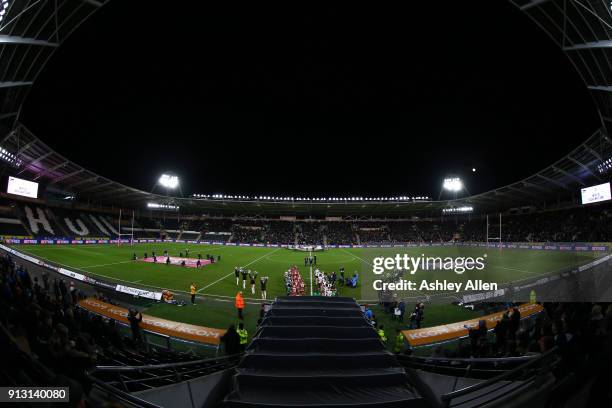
128	236
495	239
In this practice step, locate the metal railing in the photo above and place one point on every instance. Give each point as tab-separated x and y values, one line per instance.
139	377
482	368
531	370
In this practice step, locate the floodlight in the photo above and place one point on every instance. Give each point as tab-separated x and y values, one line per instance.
168	181
452	184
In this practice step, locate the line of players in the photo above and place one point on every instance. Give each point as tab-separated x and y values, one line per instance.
310	260
247	274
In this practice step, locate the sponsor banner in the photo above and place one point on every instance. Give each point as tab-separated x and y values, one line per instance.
550	247
453	331
63	271
477	297
179	330
101	284
68	273
139	292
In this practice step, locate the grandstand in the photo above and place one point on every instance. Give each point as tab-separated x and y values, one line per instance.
86	305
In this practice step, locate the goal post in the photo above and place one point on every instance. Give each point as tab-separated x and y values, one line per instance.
495	239
121	236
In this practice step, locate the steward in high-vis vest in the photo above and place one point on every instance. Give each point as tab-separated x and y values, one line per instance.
239	304
399	342
192	291
381	334
244	336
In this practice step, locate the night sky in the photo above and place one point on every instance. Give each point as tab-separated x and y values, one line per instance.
354	100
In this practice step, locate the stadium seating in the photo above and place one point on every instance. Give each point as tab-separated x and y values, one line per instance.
47	340
568	225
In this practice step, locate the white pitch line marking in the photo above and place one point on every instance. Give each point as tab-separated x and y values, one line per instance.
244	266
108	264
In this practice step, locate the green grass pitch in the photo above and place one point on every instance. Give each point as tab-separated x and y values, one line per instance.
217	285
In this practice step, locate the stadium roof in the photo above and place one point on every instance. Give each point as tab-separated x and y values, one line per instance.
30	157
583	30
30	31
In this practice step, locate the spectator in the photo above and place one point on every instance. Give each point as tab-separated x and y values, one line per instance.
515	323
231	341
135	317
477	336
501	332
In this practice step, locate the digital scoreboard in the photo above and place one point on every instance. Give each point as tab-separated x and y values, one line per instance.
22	187
595	194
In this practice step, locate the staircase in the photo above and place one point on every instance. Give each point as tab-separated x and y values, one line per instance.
318	352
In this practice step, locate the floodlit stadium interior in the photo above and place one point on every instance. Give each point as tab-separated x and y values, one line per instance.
118	296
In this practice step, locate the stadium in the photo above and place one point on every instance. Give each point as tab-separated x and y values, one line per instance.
486	290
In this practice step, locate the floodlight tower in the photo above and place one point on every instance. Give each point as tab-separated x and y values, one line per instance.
452	184
170	182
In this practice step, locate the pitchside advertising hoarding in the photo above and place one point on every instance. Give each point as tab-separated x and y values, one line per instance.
596	194
83	278
557	246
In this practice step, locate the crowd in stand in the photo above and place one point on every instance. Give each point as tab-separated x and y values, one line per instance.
308	233
379	235
280	232
340	233
573	327
582	224
55	337
241	233
43	320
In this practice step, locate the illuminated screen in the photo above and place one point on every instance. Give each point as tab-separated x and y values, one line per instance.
22	187
595	194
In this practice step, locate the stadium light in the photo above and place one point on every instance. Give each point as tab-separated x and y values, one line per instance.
168	181
453	184
157	206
